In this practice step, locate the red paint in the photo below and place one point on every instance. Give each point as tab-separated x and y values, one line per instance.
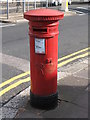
43	23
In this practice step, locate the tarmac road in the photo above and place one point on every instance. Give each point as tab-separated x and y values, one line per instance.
73	37
15	47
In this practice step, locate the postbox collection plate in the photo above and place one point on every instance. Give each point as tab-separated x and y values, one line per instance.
39	46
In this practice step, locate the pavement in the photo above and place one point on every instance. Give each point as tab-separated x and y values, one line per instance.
75	8
73	90
18	17
13	18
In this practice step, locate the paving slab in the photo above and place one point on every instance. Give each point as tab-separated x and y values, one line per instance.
82	100
29	112
63	110
73	101
69	88
66	110
82	74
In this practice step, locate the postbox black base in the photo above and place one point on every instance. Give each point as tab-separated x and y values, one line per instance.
44	102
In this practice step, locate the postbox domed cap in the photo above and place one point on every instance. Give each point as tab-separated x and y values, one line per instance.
43	15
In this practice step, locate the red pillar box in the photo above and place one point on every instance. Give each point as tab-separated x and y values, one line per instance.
43	32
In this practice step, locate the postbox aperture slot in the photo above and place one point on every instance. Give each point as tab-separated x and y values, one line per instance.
40	30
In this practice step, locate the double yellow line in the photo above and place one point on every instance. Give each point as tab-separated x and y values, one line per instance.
71	57
74	58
